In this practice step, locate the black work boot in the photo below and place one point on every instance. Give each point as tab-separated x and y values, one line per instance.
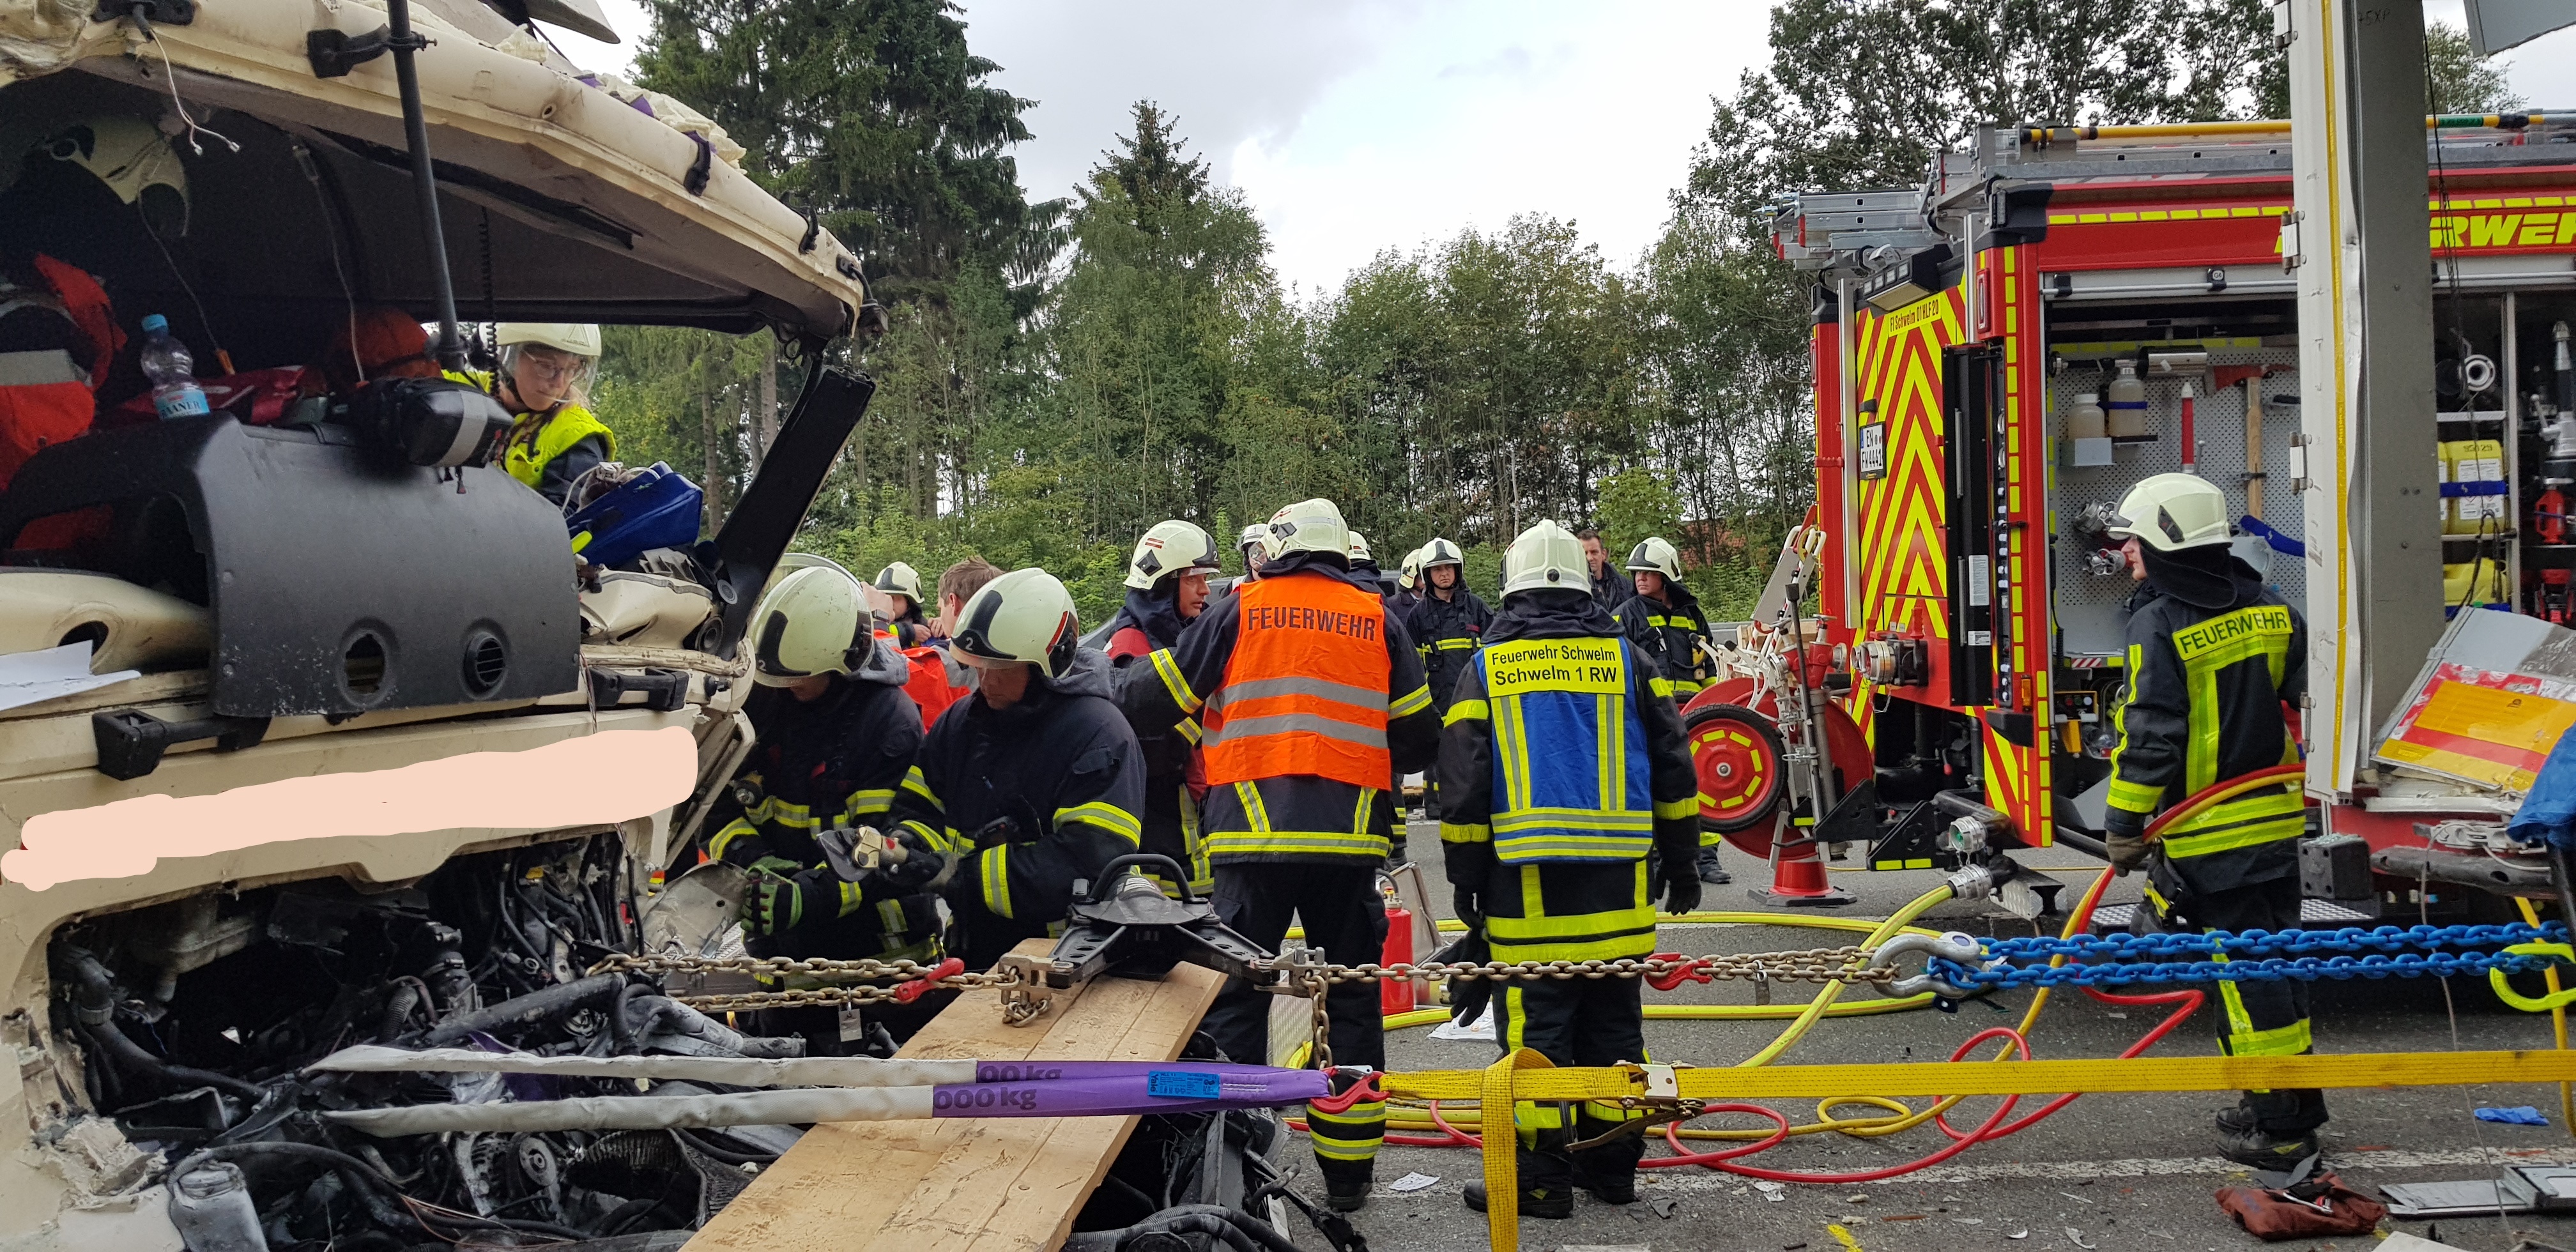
1609	1170
1548	1202
2242	1139
1347	1184
1709	870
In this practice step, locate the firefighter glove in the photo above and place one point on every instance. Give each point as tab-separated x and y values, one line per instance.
2127	843
780	903
1470	906
1682	890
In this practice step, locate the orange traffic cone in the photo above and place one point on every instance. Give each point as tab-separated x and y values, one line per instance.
1797	872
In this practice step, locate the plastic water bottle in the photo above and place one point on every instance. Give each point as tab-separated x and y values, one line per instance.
166	362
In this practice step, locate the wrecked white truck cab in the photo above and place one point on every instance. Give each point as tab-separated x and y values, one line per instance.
303	743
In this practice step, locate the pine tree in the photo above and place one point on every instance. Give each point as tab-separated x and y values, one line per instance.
873	115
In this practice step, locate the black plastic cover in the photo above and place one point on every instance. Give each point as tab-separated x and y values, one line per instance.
341	580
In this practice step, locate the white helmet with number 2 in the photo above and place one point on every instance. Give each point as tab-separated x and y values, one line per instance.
810	622
1025	615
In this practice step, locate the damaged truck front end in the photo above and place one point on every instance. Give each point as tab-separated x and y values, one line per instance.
314	747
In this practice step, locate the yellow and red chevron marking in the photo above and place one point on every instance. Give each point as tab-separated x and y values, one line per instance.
2017	776
1904	562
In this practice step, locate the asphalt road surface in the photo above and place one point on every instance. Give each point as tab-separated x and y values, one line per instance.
2108	1172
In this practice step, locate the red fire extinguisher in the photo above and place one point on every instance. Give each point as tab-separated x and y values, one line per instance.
1395	995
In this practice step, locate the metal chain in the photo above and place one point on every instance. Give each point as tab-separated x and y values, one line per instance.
1817	965
2251	956
2269	943
1320	1020
2272	969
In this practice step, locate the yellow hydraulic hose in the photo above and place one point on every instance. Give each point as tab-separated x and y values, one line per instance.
1833	991
2557	1026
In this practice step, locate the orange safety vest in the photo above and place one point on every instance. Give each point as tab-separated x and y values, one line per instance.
928	682
1304	692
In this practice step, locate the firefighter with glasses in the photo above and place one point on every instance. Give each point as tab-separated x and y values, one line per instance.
1313	703
1033	782
1562	765
2214	656
544	380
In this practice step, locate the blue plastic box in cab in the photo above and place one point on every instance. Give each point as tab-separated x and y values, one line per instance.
654	509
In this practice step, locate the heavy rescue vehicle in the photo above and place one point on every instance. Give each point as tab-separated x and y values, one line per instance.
1967	635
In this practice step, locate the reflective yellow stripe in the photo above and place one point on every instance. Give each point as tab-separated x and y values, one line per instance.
1608	762
1107	816
735	829
871	801
1254	810
995	866
1660	686
2244	1040
918	784
1411	702
946	843
1683	688
2241	823
1466	711
2272	831
1605	935
850	901
786	814
1456	645
1675	810
1189	730
2130	797
1297	842
1559	845
1174	683
1351	1135
1579	819
1466	832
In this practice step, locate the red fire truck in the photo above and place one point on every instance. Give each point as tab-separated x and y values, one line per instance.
2057	313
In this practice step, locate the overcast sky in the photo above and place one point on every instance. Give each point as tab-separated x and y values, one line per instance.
1360	125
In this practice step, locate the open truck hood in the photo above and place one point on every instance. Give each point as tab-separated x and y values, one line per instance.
596	210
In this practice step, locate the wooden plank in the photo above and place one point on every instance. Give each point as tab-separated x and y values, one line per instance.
969	1184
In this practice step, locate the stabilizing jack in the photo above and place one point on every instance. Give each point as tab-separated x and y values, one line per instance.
1126	926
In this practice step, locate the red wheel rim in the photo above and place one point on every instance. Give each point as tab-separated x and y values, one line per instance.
1736	755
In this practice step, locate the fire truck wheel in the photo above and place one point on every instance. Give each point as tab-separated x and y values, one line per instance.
1736	753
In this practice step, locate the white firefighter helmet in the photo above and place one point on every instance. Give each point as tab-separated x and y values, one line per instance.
1546	557
1657	557
1173	547
1359	550
1440	552
577	338
1025	615
1255	538
810	622
899	579
2171	512
1309	526
1409	574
